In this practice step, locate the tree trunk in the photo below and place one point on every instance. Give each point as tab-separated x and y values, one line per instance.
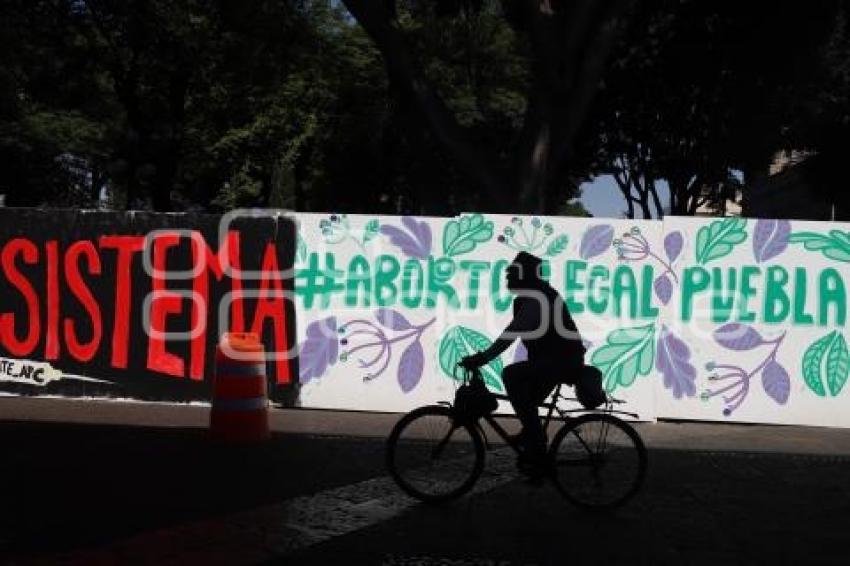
570	46
653	190
644	206
377	19
534	154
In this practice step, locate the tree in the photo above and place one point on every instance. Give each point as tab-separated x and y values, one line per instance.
699	90
567	45
56	128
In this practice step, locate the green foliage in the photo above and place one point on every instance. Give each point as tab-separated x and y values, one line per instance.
574	208
242	191
557	245
628	352
835	245
719	238
371	230
827	361
207	104
463	235
460	342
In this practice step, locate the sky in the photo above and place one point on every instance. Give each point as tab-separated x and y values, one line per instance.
603	198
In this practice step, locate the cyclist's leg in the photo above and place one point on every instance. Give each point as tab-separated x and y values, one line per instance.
527	386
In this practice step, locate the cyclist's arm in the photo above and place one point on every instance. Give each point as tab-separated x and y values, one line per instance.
526	319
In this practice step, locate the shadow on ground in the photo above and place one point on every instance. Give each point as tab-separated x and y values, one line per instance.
73	486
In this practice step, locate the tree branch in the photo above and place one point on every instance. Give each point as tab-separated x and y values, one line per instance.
588	65
377	18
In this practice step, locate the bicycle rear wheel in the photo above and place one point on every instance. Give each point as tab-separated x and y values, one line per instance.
432	457
600	461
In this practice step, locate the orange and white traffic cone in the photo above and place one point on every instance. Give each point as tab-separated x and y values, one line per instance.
240	405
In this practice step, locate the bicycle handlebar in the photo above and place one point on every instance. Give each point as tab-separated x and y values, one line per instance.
468	373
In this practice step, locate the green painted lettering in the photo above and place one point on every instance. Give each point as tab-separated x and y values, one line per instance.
801	317
545	269
497	276
647	310
572	269
359	276
694	280
832	292
747	292
440	271
721	306
776	302
475	267
386	270
412	282
624	286
597	303
315	280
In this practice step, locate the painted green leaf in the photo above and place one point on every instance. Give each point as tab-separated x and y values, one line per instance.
835	245
718	238
371	230
557	245
460	342
837	365
300	249
628	352
827	360
462	235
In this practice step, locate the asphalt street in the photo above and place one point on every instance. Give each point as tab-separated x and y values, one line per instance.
88	482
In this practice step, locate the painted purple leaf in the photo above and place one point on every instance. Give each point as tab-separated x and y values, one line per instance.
770	238
673	245
319	350
596	240
520	354
416	244
673	361
421	230
776	382
322	329
663	288
410	366
392	319
735	336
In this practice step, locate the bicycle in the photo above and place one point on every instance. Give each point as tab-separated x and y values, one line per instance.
595	460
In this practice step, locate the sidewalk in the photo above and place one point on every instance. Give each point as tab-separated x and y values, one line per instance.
107	482
662	435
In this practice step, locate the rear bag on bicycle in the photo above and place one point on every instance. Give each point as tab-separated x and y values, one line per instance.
474	399
588	387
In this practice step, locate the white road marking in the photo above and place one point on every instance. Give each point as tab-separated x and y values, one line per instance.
273	531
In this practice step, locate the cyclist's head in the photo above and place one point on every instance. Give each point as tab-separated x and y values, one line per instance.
524	272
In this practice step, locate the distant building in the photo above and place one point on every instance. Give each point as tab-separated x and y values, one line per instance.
786	192
727	204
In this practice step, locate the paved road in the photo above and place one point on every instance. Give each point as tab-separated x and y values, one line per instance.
139	483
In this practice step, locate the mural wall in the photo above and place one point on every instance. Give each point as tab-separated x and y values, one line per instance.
730	319
756	325
387	306
733	319
132	305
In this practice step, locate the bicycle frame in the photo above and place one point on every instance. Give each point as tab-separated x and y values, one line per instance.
554	413
563	415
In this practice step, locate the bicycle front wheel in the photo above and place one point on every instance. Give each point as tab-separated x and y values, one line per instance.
600	461
432	457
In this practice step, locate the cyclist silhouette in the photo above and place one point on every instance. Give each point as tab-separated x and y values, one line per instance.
555	352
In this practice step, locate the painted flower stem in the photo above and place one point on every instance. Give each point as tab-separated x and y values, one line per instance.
381	341
386	340
362	333
726	376
744	378
666	265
